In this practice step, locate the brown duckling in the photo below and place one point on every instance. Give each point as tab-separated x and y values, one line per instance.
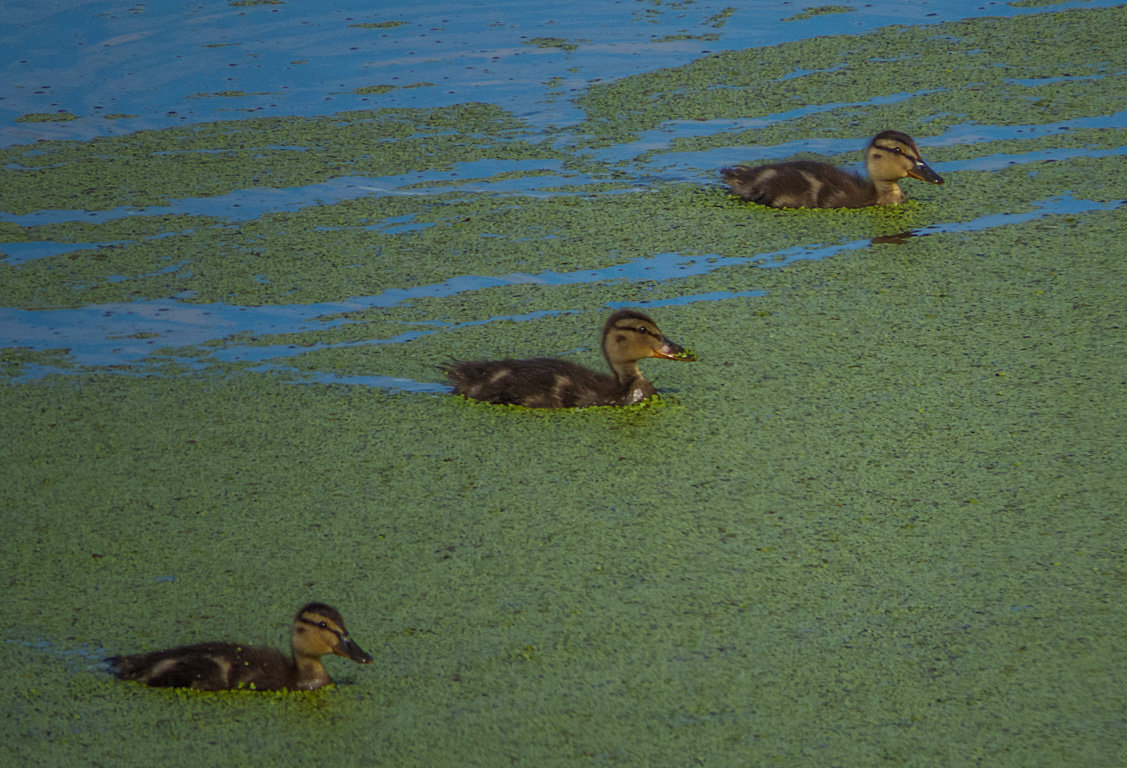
890	156
318	629
628	337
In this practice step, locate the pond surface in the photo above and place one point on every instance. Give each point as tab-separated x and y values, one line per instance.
158	68
880	520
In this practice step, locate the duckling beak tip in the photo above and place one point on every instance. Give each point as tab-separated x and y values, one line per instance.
922	172
671	351
350	650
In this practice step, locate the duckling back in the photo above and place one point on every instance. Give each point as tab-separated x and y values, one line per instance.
541	382
209	667
800	184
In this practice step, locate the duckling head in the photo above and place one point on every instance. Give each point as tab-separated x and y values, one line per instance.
318	629
892	155
630	336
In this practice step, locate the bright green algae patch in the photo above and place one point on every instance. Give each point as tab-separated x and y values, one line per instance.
880	518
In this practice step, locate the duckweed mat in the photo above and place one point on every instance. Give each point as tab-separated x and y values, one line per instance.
880	521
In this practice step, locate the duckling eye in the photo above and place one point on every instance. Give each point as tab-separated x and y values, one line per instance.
323	624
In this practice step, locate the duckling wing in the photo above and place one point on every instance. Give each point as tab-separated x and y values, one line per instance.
535	383
800	184
207	667
190	666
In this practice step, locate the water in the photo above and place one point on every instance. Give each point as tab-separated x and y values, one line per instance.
157	61
165	64
900	434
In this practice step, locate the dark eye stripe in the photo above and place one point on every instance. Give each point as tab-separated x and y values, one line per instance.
321	625
897	151
636	329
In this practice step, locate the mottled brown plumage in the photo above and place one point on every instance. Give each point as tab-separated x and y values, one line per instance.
318	629
890	156
628	337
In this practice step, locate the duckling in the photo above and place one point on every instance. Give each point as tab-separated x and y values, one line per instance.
628	337
318	629
890	156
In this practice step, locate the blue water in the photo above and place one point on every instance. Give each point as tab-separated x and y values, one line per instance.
165	64
154	60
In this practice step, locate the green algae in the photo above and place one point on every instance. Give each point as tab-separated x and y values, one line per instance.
378	24
821	10
14	361
965	84
878	521
356	349
374	90
553	42
708	37
61	116
223	95
225	263
152	167
327	252
882	519
720	19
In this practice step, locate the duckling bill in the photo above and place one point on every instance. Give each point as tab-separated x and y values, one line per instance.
318	629
628	336
890	157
